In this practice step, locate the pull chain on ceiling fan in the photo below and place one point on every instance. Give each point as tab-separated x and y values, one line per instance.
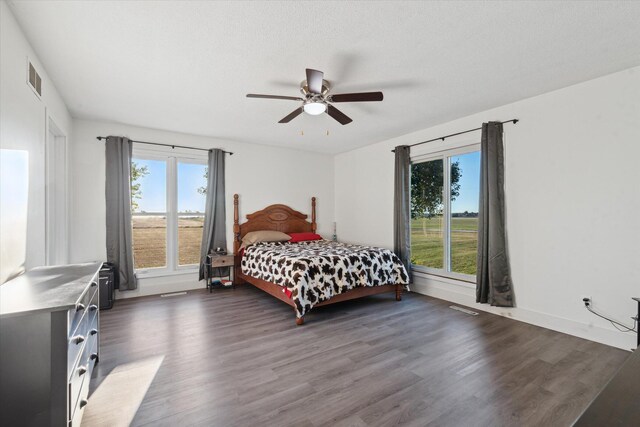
317	99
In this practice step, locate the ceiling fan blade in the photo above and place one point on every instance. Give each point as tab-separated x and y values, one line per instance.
291	98
338	115
295	113
357	97
314	80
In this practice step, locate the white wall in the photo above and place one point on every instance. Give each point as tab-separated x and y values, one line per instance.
572	201
261	175
23	118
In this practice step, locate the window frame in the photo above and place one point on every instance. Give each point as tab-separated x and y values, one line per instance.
172	158
445	156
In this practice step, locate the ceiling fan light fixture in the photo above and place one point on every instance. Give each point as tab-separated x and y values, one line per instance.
317	100
315	108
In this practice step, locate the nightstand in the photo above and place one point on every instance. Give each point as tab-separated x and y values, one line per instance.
217	263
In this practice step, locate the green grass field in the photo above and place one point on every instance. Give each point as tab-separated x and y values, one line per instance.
150	246
427	243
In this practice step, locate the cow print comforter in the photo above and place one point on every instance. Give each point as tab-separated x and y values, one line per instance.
315	271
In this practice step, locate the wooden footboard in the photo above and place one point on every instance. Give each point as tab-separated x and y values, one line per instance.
361	292
268	287
276	291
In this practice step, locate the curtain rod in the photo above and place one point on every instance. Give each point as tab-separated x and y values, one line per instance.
514	121
100	138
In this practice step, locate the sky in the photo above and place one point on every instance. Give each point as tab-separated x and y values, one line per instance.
154	190
469	183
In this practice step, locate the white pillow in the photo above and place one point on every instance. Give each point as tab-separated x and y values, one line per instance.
264	236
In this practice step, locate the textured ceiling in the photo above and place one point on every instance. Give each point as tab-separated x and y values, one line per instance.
186	66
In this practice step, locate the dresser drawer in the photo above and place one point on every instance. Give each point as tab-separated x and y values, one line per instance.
80	376
79	384
82	370
82	306
91	348
83	341
92	357
77	410
76	343
92	310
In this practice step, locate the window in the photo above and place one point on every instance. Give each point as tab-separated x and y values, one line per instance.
149	216
56	226
427	230
168	201
445	192
192	190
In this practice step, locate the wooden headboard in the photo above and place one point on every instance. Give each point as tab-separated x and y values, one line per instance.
274	217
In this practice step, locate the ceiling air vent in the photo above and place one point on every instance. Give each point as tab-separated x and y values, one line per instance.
34	80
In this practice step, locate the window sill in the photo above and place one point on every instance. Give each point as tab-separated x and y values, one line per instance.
457	278
148	274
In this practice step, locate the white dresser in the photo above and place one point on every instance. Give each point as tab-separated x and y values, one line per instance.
49	344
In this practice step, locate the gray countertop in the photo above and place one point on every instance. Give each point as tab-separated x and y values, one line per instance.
46	289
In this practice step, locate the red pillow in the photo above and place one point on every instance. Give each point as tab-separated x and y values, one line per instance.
303	237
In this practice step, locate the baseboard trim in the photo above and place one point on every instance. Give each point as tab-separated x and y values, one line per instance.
162	285
459	294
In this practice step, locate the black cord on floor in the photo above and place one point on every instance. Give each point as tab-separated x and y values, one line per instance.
613	322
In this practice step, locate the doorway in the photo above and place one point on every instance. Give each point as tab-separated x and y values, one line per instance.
56	195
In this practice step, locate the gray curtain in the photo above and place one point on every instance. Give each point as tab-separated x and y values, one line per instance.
118	203
402	207
213	232
493	274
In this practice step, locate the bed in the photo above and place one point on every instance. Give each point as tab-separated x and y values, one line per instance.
310	274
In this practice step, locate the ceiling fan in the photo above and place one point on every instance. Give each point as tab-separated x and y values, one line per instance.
317	99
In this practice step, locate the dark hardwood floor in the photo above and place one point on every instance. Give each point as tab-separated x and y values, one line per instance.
235	358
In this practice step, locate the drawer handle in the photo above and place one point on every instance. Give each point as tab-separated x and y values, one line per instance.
83	403
94	284
93	356
82	370
93	307
79	307
78	339
93	332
